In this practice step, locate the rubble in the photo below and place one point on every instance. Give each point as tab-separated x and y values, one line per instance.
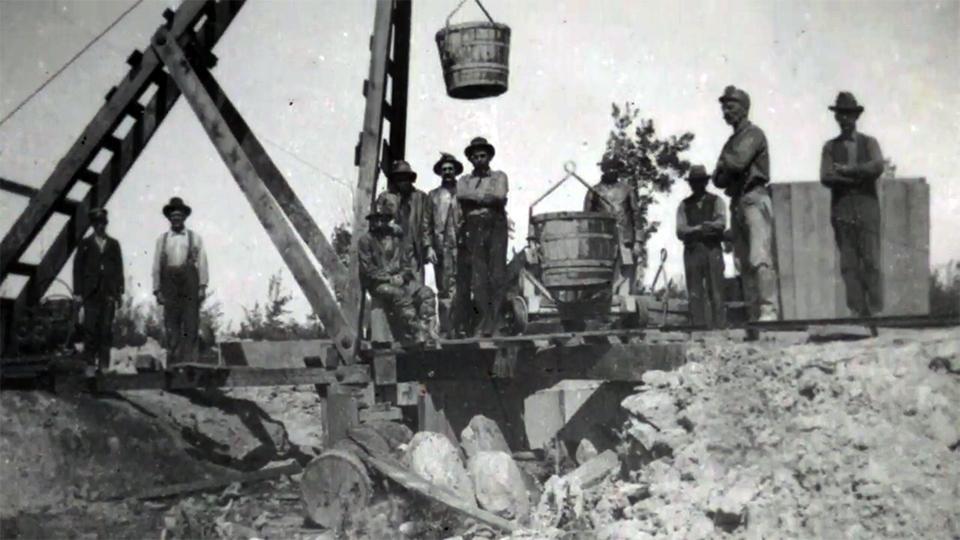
433	457
482	434
499	484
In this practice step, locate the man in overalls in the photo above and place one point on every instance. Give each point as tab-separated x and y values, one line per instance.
850	165
701	220
180	283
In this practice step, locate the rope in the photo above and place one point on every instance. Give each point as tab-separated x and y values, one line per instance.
460	5
71	61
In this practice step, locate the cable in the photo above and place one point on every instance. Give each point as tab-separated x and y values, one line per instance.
71	61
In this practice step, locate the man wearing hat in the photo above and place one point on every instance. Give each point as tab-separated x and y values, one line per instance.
180	283
620	200
413	211
387	274
850	165
743	172
98	284
701	220
482	242
444	218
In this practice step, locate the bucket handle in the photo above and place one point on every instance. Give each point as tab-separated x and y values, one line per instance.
571	170
460	5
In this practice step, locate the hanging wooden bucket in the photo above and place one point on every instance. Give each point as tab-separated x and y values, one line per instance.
475	59
578	254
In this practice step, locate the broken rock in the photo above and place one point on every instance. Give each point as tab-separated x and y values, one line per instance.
481	435
433	456
499	484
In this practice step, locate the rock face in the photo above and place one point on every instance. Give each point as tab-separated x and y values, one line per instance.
60	450
434	457
852	439
499	484
482	435
227	431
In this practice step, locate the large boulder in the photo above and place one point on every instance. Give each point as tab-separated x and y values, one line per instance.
435	458
499	484
481	435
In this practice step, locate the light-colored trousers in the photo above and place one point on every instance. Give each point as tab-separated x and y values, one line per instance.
752	227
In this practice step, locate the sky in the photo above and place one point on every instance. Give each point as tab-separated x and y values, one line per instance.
295	70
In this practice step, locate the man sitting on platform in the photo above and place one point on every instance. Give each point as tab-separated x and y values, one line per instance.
391	279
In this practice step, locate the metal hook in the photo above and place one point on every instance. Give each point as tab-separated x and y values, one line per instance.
570	167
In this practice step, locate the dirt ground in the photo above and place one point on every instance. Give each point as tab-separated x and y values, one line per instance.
852	439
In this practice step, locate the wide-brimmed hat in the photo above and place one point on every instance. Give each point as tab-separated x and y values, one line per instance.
846	102
732	93
97	214
697	172
479	143
401	170
176	203
447	158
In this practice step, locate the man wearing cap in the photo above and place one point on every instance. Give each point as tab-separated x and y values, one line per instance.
620	200
482	242
180	283
413	211
701	220
444	217
743	172
388	275
98	284
850	165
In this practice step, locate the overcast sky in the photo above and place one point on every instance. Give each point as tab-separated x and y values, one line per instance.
295	71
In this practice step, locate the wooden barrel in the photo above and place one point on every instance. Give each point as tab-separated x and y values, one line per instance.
578	254
475	59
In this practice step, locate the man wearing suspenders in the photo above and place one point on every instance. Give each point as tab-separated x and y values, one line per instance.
180	283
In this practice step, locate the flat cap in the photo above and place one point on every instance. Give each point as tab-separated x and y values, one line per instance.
732	93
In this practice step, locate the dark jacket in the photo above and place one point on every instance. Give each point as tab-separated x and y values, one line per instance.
417	235
96	271
856	193
382	257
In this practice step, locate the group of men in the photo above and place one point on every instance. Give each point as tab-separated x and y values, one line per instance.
460	228
850	165
179	285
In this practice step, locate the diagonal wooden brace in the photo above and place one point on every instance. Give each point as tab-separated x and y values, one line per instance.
241	165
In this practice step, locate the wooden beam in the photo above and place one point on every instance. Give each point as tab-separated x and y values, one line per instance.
369	154
399	69
273	179
213	483
268	211
190	376
86	146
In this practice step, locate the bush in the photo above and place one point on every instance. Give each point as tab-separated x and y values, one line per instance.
945	291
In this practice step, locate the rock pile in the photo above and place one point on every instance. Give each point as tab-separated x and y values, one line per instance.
852	440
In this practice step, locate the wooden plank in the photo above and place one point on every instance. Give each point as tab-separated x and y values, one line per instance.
87	144
208	484
895	249
829	269
369	155
268	211
920	240
783	236
340	413
276	354
180	378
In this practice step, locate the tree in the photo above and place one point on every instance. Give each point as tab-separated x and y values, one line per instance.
270	321
651	164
